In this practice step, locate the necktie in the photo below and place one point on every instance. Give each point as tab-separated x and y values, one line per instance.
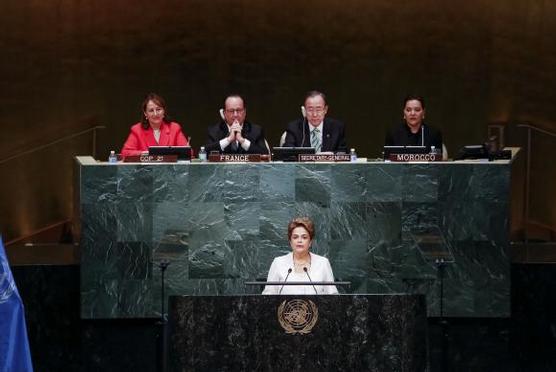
315	139
234	146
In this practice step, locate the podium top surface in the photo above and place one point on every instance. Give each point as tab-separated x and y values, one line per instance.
90	161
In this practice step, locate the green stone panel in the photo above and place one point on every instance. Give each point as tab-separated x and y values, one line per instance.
170	184
277	182
349	182
274	218
384	182
348	220
382	225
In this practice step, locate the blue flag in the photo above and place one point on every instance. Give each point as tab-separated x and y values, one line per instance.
14	347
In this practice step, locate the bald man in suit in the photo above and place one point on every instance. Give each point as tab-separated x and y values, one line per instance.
315	129
235	135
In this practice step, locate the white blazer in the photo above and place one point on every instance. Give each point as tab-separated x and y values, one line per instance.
320	271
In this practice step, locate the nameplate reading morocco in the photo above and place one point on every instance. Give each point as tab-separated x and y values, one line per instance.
414	157
324	157
150	159
237	158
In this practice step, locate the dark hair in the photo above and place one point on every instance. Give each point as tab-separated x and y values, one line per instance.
304	222
160	102
315	93
412	97
234	95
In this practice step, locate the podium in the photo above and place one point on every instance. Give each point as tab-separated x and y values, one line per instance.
297	333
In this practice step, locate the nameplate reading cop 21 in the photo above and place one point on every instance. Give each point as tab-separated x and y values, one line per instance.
150	159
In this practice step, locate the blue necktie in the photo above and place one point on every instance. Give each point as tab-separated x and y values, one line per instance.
315	140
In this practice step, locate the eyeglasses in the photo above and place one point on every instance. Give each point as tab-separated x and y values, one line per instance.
316	110
236	111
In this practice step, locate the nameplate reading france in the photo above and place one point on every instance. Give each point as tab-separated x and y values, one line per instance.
237	158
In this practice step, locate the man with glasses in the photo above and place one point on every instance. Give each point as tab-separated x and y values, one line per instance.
314	129
234	135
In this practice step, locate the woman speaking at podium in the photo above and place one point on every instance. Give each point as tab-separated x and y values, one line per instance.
155	128
301	265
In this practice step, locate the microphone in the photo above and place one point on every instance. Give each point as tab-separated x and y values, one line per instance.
304	114
307	272
282	287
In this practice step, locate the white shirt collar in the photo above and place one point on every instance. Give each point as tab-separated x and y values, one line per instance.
319	127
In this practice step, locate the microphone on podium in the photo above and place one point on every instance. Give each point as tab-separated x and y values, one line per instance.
308	276
282	287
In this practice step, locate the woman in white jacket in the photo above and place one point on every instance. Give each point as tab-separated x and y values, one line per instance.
301	265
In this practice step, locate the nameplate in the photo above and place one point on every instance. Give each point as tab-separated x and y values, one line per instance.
150	159
414	157
237	158
324	157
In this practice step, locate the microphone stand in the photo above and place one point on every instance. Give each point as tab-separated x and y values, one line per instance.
285	280
310	280
303	131
441	266
163	320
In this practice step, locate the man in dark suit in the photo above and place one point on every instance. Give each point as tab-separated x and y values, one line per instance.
315	129
235	135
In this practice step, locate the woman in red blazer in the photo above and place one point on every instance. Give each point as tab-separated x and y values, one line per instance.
155	129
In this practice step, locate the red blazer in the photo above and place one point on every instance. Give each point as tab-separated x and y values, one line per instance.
140	139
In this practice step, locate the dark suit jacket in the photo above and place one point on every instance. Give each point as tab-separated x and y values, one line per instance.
332	135
402	136
252	132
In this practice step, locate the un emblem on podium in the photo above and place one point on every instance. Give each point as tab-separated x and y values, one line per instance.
298	316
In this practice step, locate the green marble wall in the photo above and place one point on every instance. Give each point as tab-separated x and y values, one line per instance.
380	224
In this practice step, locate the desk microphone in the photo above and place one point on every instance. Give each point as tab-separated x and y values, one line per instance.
289	272
304	114
307	272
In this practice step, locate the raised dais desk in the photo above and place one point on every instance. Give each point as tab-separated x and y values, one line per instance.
382	225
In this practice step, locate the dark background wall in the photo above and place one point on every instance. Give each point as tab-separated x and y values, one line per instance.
70	65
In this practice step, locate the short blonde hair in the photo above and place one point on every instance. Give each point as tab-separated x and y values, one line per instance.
304	222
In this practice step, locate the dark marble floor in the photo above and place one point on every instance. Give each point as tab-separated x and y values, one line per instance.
60	340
